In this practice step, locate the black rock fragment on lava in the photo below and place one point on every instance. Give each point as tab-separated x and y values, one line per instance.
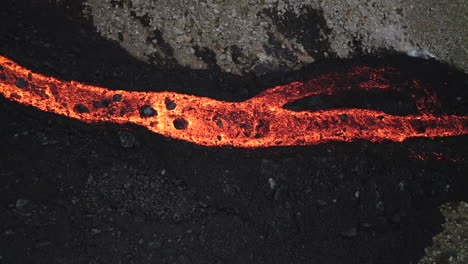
117	97
180	123
21	83
81	109
147	111
344	117
170	105
101	104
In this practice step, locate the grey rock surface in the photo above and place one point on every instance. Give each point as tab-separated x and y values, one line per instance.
451	245
261	36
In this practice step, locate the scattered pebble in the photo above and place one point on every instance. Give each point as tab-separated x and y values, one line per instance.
20	203
447	187
127	140
321	203
365	225
272	183
356	194
401	185
352	232
155	244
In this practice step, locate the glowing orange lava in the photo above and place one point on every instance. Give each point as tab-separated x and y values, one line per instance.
257	122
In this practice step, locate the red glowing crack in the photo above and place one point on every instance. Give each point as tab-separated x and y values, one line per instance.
260	121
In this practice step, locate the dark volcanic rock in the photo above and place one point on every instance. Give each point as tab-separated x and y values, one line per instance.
21	83
147	111
127	139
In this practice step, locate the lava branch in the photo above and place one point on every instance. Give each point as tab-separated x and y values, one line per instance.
260	121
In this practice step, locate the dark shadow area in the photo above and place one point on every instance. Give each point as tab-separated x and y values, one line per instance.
72	192
390	102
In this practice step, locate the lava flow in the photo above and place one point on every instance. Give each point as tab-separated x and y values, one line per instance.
261	121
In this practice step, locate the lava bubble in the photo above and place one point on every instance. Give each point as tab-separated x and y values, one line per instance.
180	123
147	111
170	105
21	83
127	140
117	97
79	108
219	123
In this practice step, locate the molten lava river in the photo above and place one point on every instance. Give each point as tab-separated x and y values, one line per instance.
260	121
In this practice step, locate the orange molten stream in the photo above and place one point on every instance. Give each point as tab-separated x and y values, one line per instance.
260	121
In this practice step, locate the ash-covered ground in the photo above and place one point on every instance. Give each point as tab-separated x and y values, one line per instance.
79	193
